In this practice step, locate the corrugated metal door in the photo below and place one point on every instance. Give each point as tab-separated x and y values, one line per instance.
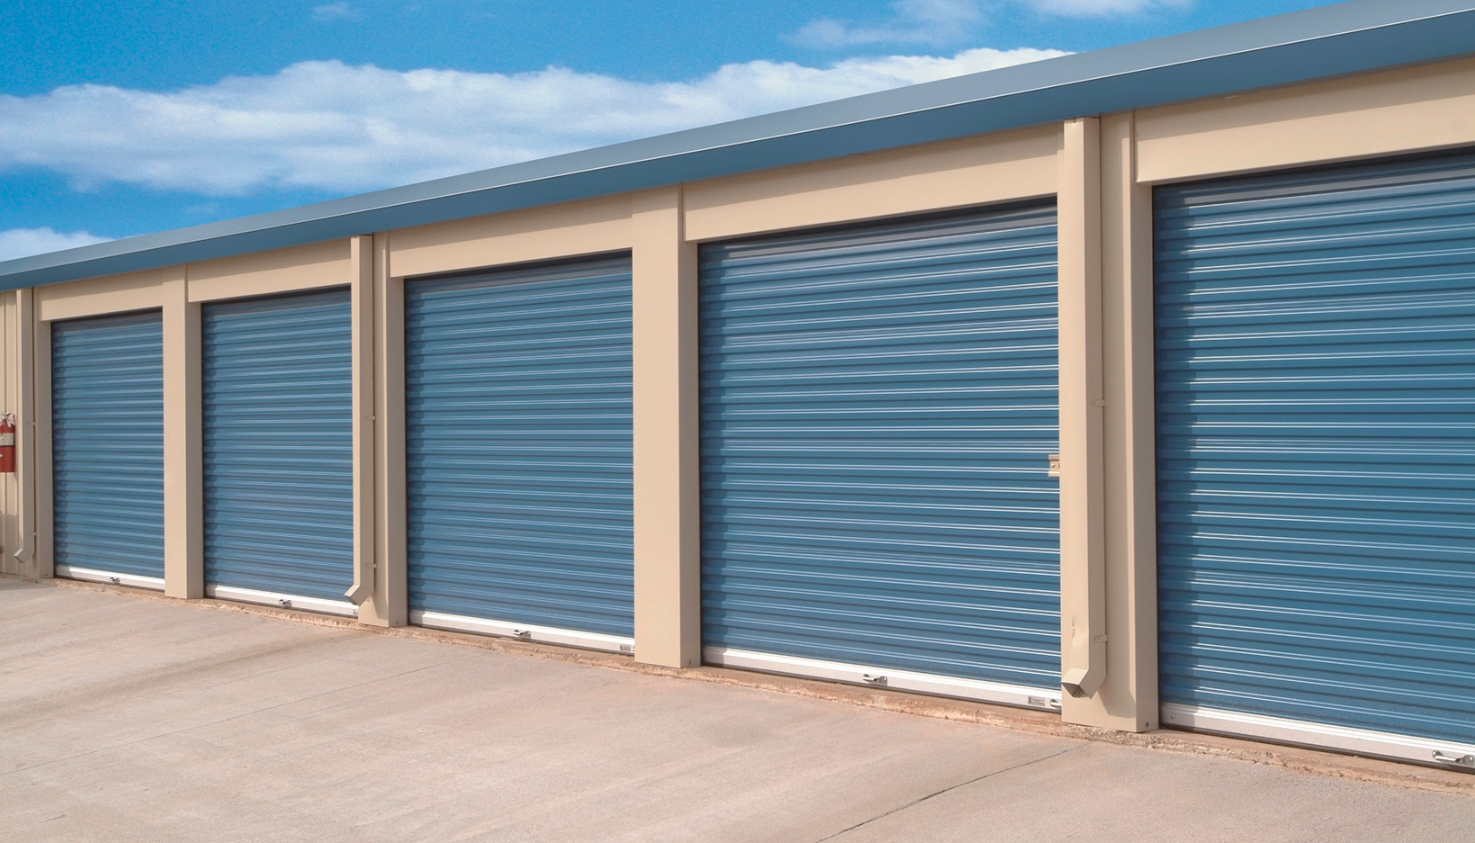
1316	447
278	422
107	447
878	406
518	450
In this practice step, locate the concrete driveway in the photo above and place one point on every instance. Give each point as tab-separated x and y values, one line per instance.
132	718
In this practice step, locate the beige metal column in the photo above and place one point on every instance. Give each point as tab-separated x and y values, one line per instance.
389	605
184	510
1108	506
1082	402
361	294
10	506
40	450
23	365
668	588
1128	700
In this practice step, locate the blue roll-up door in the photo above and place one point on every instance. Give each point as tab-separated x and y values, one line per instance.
1316	450
107	447
278	422
878	408
519	448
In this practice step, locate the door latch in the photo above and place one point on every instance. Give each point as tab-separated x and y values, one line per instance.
1054	465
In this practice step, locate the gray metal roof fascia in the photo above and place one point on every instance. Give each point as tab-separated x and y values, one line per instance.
1324	42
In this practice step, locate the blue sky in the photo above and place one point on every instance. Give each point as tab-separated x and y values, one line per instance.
127	118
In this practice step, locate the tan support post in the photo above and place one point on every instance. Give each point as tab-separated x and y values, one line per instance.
25	450
1129	698
361	294
40	452
1082	404
184	510
390	605
668	589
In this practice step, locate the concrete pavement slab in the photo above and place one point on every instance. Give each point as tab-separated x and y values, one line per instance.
145	719
1102	792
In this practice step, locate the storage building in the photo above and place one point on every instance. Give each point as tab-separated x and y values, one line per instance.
1136	384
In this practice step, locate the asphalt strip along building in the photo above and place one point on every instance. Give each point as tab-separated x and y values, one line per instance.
1136	384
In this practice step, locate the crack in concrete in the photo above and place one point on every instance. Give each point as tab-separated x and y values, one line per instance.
250	713
949	789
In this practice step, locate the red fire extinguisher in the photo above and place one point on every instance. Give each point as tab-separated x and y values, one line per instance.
7	444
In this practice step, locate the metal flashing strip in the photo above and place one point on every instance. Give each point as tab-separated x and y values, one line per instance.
525	632
1339	738
282	601
69	572
895	680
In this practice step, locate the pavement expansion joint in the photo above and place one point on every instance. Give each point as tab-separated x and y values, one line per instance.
949	789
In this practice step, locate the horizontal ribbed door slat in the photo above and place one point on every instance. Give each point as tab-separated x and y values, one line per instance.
1316	445
278	422
519	445
878	404
107	439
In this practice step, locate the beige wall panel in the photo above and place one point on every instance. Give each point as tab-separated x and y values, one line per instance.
974	171
581	228
99	296
307	267
1380	114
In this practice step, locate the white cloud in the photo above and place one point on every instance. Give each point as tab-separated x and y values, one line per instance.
329	126
24	242
336	11
932	22
1103	8
939	22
